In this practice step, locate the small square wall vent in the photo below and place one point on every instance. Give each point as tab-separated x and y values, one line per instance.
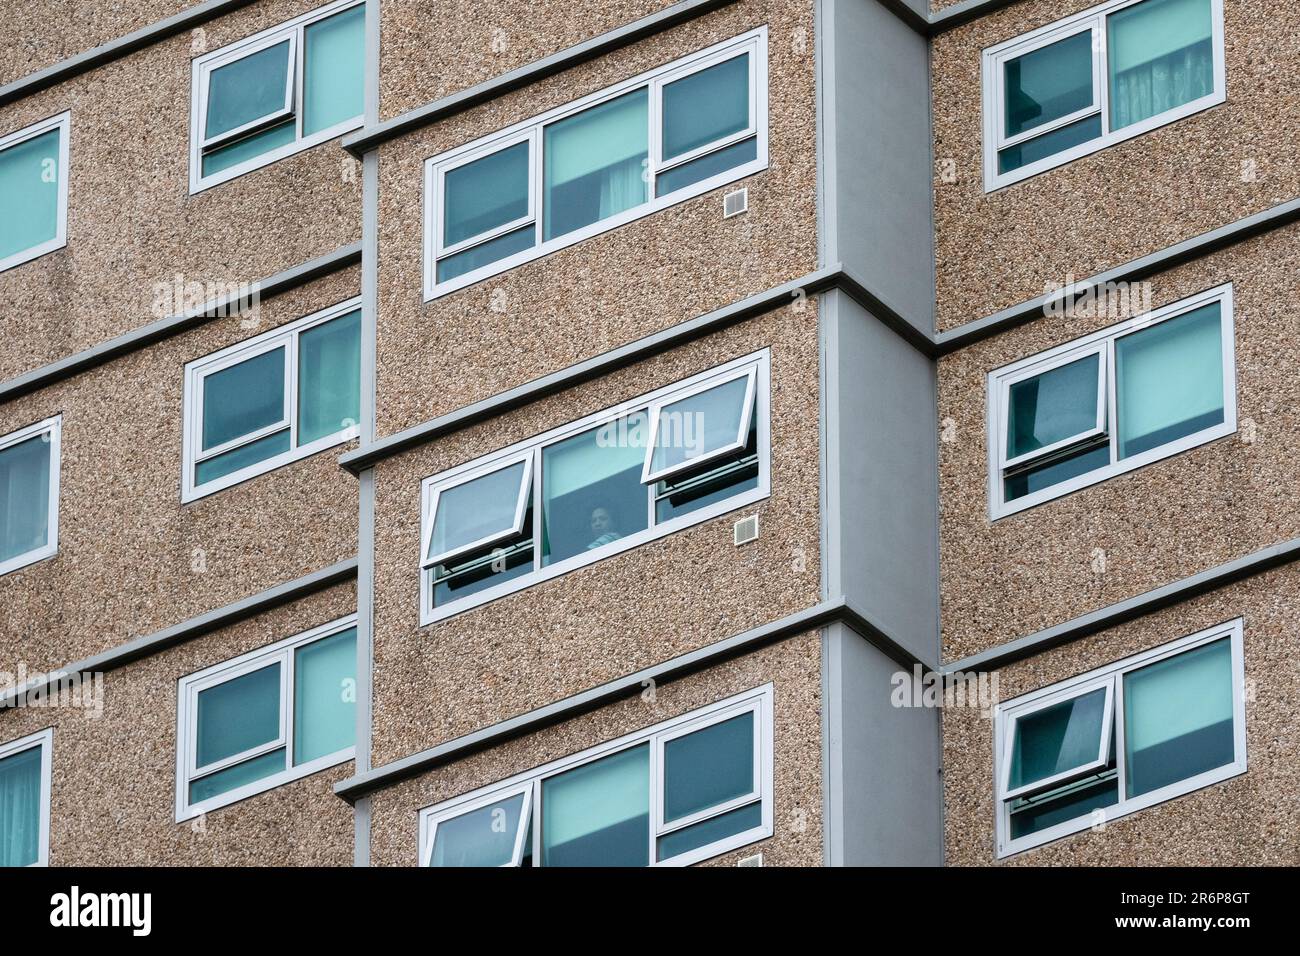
735	203
755	860
746	530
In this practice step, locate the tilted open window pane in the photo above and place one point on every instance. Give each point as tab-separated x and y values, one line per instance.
1161	56
595	163
1169	380
238	715
24	496
1178	718
1055	406
1048	84
709	767
699	428
598	814
486	194
20	807
324	696
591	488
488	835
250	89
706	107
479	512
30	193
1060	741
244	398
329	377
334	70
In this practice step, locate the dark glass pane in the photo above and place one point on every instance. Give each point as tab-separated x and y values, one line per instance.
1053	406
485	194
486	253
710	831
1071	802
1048	83
1057	739
1044	476
227	463
243	398
708	165
247	89
1049	144
706	106
708	767
238	715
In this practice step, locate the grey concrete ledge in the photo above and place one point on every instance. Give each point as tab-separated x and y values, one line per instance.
371	137
1146	603
173	325
115	49
195	627
813	618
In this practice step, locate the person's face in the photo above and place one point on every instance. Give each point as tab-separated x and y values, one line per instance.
600	522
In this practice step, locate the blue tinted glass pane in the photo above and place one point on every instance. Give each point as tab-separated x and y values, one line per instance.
1057	739
596	163
710	831
1069	803
1052	407
329	377
699	425
482	837
480	509
487	574
237	776
486	253
1160	55
485	194
599	814
247	89
325	696
20	808
1048	83
706	106
243	398
29	193
1049	144
591	489
229	462
1044	476
238	715
24	496
708	767
247	148
334	71
709	165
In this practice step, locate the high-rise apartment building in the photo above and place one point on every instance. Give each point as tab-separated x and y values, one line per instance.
731	432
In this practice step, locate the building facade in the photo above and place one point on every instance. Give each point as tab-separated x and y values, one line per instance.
727	432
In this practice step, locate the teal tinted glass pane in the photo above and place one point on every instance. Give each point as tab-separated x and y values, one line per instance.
229	462
1160	55
248	148
1045	476
485	194
1178	718
20	808
482	837
1066	803
248	89
324	696
707	166
334	70
1049	144
710	831
1057	739
478	509
728	476
595	163
699	425
238	715
1048	83
708	767
243	398
1169	380
1052	407
29	193
329	377
599	814
240	774
591	488
486	253
497	569
24	497
705	107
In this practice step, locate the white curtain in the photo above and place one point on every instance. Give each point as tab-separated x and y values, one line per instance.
20	808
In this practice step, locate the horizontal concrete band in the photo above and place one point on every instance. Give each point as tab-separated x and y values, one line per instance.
195	627
115	49
821	615
173	325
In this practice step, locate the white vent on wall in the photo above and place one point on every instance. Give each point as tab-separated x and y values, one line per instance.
735	203
755	860
746	530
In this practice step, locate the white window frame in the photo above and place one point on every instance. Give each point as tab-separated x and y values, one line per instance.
1089	766
53	427
656	413
63	123
196	371
758	364
1102	343
1094	20
202	68
523	498
754	43
757	701
187	696
45	740
1114	673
